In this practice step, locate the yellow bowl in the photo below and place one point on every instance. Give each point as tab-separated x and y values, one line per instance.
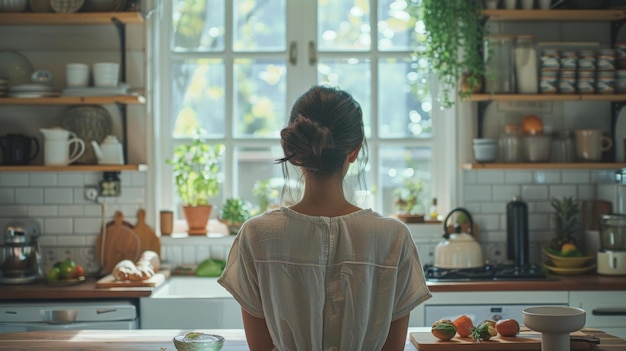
567	261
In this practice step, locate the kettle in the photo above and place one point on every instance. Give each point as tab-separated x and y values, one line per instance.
109	152
16	149
458	250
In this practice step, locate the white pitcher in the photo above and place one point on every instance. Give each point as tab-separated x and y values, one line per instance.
61	147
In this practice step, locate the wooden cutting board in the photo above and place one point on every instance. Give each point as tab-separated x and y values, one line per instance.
527	340
117	242
154	281
147	238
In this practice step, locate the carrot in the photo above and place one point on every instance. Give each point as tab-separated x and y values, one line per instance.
464	325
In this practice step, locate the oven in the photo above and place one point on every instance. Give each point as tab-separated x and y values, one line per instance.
34	316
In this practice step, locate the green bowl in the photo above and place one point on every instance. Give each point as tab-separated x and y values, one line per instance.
196	341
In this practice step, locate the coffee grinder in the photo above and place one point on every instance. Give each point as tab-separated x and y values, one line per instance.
20	261
611	258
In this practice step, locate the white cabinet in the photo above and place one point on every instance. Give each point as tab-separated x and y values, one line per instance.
606	310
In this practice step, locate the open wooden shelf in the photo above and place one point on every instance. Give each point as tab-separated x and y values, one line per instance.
75	100
74	168
546	97
555	15
545	166
32	19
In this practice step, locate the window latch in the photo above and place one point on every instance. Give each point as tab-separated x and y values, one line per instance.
312	53
293	53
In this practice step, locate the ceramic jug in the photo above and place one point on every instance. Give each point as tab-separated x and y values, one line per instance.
109	152
61	147
16	149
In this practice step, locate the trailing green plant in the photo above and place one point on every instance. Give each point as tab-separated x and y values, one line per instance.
408	197
455	32
196	167
566	214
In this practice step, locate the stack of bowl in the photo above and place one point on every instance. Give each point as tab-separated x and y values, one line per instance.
567	265
197	341
484	149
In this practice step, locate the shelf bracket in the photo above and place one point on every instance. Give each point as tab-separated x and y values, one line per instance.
616	108
121	30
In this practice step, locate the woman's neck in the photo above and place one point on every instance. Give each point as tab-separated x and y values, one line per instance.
324	196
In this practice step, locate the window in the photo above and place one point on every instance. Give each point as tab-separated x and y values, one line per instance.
235	67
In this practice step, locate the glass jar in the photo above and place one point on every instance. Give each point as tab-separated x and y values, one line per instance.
563	147
500	72
510	144
526	65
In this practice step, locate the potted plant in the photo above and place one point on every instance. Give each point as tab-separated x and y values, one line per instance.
266	193
566	215
233	213
454	33
408	201
196	167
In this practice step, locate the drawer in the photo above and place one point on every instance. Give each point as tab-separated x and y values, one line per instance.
604	308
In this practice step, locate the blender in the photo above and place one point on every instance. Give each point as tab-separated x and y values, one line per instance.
611	258
20	261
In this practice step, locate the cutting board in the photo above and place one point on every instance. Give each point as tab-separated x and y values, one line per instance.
527	340
117	242
147	238
154	281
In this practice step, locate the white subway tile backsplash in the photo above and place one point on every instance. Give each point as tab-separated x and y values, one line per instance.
132	195
561	191
71	179
59	195
505	192
46	241
14	179
518	177
586	192
60	225
488	221
538	221
477	193
138	179
87	225
73	240
547	177
492	207
42	211
491	177
72	210
534	192
43	179
29	195
7	196
575	177
13	210
92	210
470	177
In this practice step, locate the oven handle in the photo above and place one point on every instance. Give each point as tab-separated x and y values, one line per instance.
609	311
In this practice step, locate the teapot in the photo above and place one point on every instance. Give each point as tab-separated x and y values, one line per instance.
109	152
16	149
459	250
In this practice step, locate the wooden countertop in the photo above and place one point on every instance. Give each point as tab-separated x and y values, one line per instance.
151	340
88	290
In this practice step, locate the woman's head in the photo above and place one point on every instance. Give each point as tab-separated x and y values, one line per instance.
325	125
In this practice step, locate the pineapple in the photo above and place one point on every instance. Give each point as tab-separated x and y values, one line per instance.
565	219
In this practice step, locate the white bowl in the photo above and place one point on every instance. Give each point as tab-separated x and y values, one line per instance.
106	74
484	152
13	5
554	323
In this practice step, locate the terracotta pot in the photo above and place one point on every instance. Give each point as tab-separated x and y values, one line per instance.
197	218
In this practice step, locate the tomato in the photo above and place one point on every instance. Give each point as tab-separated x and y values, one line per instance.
464	326
79	271
507	327
443	329
68	270
53	274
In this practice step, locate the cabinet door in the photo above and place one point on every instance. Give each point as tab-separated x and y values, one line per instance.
605	309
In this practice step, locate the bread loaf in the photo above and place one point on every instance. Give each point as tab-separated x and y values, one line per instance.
147	265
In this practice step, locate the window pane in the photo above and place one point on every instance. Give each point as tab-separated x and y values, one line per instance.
396	26
198	25
404	101
399	164
198	97
354	76
260	89
259	25
343	25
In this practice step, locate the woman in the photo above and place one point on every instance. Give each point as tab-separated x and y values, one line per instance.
324	274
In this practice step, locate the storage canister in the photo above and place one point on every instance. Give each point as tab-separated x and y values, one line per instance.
526	65
511	144
567	82
606	60
500	72
620	81
563	148
586	60
569	59
548	82
586	83
606	82
550	60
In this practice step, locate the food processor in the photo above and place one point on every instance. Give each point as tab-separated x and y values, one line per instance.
20	261
611	257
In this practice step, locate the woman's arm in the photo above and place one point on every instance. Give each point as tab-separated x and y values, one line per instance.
257	334
396	339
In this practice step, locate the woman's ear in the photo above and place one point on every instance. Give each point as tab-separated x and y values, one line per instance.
352	156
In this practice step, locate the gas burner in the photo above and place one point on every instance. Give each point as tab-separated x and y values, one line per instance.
486	272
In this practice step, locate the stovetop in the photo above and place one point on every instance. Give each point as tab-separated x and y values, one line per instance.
486	272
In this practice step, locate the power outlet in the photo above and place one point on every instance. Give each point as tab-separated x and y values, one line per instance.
91	193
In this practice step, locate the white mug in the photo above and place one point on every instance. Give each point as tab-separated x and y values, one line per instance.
547	4
77	75
106	74
590	143
62	152
528	4
510	4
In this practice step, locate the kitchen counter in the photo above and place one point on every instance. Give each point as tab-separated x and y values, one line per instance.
88	290
161	339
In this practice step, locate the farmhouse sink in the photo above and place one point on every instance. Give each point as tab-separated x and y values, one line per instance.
190	303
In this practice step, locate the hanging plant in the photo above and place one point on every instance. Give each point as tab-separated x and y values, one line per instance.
455	32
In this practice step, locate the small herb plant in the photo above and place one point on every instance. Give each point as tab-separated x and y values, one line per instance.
408	198
234	212
196	168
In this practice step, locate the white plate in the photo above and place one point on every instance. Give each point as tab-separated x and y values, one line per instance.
33	94
15	68
95	91
30	88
